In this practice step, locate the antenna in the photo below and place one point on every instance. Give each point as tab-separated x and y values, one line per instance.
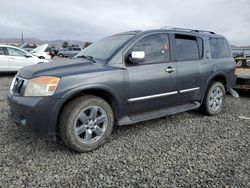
22	38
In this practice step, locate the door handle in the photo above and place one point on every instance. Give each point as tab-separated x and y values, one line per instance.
170	69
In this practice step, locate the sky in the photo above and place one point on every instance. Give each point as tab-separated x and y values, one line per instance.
92	20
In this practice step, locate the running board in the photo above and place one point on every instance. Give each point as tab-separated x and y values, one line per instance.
158	113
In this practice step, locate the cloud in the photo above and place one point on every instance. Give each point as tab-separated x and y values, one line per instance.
92	20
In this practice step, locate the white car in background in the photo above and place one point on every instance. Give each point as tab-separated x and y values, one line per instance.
12	59
40	52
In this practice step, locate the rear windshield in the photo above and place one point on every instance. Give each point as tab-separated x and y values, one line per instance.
219	48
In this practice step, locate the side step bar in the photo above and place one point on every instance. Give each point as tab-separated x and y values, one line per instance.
158	113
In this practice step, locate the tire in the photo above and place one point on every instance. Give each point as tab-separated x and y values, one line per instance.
60	55
84	118
214	99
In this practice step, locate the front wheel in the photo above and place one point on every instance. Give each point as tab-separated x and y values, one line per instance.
86	123
214	99
60	55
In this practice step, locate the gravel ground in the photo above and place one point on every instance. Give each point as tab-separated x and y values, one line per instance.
186	150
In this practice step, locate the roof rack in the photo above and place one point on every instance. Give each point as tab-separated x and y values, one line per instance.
190	30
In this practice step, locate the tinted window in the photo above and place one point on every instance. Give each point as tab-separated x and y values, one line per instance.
187	48
1	51
77	49
156	48
200	46
48	50
15	52
219	48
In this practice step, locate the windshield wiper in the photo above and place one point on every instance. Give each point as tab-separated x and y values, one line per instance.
87	57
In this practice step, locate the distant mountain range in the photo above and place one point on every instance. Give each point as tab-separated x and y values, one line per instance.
57	43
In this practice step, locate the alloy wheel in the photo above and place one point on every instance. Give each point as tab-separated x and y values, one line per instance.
215	99
91	124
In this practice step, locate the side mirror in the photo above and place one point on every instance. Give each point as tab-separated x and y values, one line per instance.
137	56
28	56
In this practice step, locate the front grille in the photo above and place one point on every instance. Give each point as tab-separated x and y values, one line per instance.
18	86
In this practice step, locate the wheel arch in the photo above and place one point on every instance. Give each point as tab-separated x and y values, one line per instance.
107	94
221	77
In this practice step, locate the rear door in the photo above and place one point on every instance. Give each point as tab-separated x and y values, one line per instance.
4	63
189	56
151	84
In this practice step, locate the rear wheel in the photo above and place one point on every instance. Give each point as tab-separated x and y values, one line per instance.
86	123
214	99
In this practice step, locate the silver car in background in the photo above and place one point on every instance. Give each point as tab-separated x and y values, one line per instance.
69	52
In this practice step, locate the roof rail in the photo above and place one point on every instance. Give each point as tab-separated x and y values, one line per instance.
190	30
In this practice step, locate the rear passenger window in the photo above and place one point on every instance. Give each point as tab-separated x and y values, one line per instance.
219	48
188	47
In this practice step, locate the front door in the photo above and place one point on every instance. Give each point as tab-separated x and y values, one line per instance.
151	84
17	59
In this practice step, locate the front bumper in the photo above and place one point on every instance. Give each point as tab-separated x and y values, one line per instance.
37	114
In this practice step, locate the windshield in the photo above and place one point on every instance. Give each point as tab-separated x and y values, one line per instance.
105	48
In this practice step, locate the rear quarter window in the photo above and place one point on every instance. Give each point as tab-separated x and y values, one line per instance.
219	48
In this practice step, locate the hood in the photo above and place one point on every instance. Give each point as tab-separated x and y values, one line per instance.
39	50
60	69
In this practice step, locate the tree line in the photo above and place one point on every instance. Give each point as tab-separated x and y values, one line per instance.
67	45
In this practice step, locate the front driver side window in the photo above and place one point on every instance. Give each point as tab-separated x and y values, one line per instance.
15	52
156	48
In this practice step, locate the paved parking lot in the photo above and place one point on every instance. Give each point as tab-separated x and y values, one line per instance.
188	149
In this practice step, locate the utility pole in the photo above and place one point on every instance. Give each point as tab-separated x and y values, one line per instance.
22	37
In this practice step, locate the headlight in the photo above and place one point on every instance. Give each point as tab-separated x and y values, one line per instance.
41	86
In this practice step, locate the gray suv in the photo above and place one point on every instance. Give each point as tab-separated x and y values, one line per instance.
69	52
123	79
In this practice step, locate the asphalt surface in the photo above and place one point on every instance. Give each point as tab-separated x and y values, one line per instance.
185	150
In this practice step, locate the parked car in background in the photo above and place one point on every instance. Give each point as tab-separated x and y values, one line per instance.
123	79
69	52
52	51
12	59
237	54
242	73
40	52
